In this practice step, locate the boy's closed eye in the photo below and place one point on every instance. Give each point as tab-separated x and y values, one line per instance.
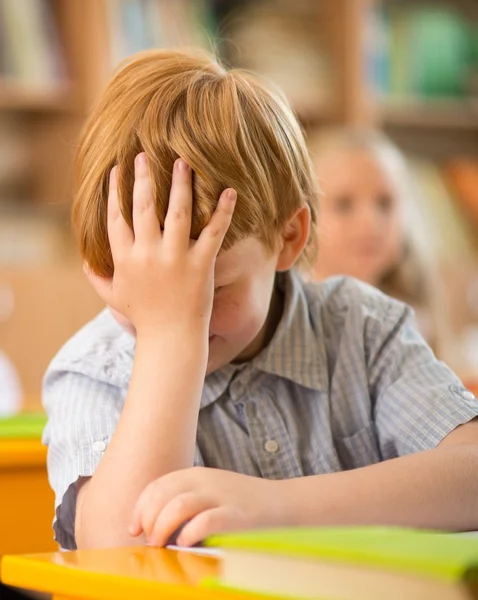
219	289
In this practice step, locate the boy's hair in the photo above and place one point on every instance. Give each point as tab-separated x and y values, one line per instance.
232	129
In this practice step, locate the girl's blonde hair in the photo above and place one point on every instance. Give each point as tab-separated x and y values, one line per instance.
413	279
231	128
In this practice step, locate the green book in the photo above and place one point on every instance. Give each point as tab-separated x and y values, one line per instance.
441	44
23	426
356	563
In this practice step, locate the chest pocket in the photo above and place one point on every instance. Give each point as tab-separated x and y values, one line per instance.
359	449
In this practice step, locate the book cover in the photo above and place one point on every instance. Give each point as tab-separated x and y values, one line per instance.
416	551
23	426
349	563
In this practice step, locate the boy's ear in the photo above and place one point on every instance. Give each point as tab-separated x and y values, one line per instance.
294	237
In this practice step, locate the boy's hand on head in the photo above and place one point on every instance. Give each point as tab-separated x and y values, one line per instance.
210	500
160	278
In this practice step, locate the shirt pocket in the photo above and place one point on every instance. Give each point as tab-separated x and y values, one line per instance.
359	449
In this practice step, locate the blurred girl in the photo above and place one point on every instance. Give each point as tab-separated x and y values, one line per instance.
370	227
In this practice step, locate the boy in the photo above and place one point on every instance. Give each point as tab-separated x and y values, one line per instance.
219	389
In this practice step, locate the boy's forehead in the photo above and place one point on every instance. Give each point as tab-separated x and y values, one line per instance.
240	257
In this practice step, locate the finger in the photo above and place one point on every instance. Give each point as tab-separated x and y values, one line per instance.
119	234
136	523
177	225
145	222
101	285
154	498
180	509
210	241
207	523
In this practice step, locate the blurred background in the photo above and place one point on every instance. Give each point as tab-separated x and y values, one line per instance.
407	67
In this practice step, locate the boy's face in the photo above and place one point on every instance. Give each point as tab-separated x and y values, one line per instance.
241	322
241	317
247	308
360	231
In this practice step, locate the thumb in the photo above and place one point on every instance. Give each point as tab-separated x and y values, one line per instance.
135	526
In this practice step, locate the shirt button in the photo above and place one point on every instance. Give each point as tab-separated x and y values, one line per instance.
271	446
99	446
468	396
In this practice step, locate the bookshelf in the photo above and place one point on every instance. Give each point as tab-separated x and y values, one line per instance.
441	114
421	63
19	98
341	36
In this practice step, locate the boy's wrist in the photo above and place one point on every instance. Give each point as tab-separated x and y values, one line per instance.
173	345
289	506
174	333
298	495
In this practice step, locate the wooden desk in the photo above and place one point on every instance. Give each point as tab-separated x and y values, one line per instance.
117	574
26	500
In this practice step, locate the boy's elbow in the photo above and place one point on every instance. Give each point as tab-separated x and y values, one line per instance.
93	530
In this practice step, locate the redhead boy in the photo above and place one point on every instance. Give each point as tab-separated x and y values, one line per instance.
219	388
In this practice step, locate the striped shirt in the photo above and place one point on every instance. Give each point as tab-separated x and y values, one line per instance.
346	381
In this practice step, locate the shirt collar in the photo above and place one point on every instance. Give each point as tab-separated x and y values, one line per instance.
296	351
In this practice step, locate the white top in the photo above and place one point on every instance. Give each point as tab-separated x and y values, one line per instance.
10	388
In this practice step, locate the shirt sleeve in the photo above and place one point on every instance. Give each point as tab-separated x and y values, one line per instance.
82	415
417	399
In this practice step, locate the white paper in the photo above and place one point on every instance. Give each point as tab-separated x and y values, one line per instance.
198	550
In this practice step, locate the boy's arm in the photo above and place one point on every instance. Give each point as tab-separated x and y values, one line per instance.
435	489
156	434
165	288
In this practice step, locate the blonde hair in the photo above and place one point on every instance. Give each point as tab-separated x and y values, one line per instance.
414	279
410	279
231	128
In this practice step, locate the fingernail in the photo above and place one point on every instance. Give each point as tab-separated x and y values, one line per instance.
113	174
141	160
231	195
182	165
132	529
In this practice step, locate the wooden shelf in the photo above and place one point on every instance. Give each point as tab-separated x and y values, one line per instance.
315	116
22	98
438	114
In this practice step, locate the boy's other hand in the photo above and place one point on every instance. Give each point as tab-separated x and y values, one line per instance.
161	278
210	500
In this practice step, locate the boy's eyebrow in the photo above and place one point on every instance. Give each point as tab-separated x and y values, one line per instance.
227	274
224	277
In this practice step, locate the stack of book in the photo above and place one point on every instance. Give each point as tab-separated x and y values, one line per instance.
420	51
358	563
31	54
137	25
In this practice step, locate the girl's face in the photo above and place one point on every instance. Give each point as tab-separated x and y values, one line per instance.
360	230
